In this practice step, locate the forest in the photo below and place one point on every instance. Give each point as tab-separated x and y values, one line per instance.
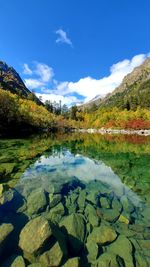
17	113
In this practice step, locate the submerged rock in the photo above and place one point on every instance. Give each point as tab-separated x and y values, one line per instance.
91	197
56	213
5	231
37	264
123	219
2	189
36	202
141	260
104	203
116	204
33	236
74	226
110	215
102	235
18	262
81	200
54	256
126	204
71	203
123	248
107	260
91	215
6	169
54	200
92	249
74	262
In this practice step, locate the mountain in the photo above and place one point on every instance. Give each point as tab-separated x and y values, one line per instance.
11	81
134	91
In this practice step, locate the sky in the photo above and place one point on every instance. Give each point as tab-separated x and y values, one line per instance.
74	50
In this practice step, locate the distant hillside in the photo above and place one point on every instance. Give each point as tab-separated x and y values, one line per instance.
11	81
134	91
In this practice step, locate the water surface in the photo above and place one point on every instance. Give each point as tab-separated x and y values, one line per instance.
93	191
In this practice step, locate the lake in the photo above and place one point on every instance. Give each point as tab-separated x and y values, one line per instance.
75	200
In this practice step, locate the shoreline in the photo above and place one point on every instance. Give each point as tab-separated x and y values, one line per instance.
145	132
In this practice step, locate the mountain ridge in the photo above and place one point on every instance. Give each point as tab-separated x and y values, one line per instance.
135	85
11	81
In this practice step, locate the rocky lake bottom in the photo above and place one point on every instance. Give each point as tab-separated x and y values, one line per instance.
75	201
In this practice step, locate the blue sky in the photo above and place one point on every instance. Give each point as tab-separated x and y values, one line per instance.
74	49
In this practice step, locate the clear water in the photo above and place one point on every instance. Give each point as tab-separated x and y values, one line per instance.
93	186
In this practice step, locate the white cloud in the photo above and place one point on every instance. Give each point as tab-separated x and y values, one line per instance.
26	69
41	73
44	72
62	37
33	83
90	87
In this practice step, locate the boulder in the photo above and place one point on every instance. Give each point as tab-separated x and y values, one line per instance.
104	202
91	197
56	213
18	262
1	190
36	202
81	200
123	219
140	259
6	169
102	235
116	204
107	260
74	226
71	203
126	204
110	215
52	257
74	262
5	231
91	215
54	199
37	264
92	249
123	248
33	236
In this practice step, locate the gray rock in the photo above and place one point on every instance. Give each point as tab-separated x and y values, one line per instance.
35	233
81	200
123	248
71	203
92	249
36	202
110	215
37	264
104	203
127	205
91	197
5	231
56	213
74	262
74	225
102	235
54	200
91	215
53	257
116	204
18	262
107	260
